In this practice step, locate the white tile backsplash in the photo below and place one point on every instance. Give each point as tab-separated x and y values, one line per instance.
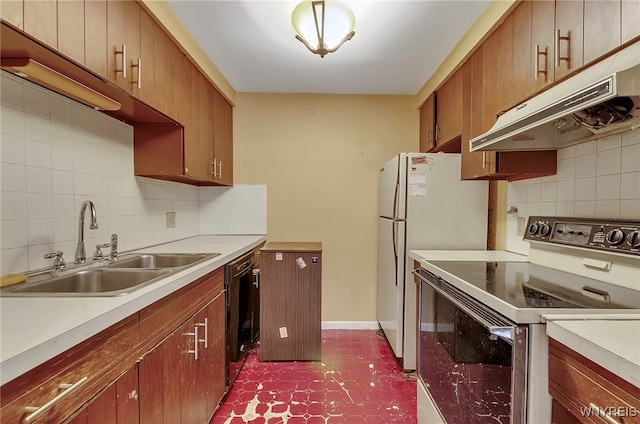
56	153
241	209
599	178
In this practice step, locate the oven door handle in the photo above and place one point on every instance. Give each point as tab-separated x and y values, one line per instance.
497	326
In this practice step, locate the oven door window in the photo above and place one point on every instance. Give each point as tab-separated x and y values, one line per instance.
466	369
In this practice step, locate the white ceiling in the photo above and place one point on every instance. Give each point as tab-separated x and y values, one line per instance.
397	47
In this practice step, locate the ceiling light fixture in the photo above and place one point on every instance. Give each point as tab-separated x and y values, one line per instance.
323	23
41	74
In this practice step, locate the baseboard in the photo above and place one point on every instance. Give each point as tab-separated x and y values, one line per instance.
350	325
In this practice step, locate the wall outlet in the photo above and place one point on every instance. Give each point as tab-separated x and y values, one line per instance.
171	219
520	226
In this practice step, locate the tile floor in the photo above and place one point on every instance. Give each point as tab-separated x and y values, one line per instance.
357	381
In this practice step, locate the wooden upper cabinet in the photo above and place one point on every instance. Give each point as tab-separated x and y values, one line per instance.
198	148
222	139
71	29
568	52
522	53
40	21
427	124
145	89
542	44
123	29
601	27
12	11
95	36
449	110
630	20
497	73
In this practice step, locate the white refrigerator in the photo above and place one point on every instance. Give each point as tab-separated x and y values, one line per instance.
423	206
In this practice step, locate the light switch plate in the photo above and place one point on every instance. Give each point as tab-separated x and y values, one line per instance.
171	219
520	226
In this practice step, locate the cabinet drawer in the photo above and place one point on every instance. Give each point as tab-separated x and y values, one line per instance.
92	364
589	391
167	314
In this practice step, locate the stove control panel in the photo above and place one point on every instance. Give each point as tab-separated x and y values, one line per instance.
610	235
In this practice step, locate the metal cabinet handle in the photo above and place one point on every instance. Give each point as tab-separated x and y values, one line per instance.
123	69
37	411
220	167
214	165
138	66
603	414
437	134
204	324
566	58
195	342
537	71
256	277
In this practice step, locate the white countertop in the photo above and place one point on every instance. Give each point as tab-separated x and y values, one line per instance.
610	341
466	255
35	329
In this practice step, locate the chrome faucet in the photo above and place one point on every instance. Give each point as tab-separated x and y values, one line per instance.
81	254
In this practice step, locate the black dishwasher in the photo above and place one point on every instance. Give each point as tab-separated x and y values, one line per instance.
242	320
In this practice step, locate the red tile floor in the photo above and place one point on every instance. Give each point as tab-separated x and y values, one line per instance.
357	381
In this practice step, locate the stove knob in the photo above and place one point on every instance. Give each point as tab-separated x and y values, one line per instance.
545	230
634	239
615	237
533	229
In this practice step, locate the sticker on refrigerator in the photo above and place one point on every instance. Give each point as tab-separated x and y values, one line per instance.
418	159
301	263
417	183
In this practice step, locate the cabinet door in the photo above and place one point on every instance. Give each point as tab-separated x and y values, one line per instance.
427	124
95	36
117	404
210	366
449	109
476	164
71	29
198	150
12	11
497	66
630	20
145	89
123	29
222	138
522	56
601	28
40	21
568	52
542	44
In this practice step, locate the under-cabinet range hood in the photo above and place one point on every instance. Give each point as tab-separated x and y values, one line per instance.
603	99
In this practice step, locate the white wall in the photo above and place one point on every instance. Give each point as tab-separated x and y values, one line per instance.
599	178
56	153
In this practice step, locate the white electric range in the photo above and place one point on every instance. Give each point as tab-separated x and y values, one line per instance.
483	347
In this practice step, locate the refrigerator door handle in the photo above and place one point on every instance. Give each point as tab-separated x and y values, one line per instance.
395	249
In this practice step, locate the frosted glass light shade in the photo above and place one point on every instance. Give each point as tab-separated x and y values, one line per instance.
339	21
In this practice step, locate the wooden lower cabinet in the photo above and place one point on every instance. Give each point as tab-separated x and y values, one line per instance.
177	386
117	404
585	392
290	301
141	370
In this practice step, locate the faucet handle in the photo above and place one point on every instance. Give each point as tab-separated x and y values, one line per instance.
58	264
114	247
98	256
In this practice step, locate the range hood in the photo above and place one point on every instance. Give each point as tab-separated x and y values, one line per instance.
603	99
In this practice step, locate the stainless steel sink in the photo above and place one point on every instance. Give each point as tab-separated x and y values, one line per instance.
161	260
90	282
128	274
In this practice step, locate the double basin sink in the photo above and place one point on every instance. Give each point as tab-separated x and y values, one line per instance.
129	273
